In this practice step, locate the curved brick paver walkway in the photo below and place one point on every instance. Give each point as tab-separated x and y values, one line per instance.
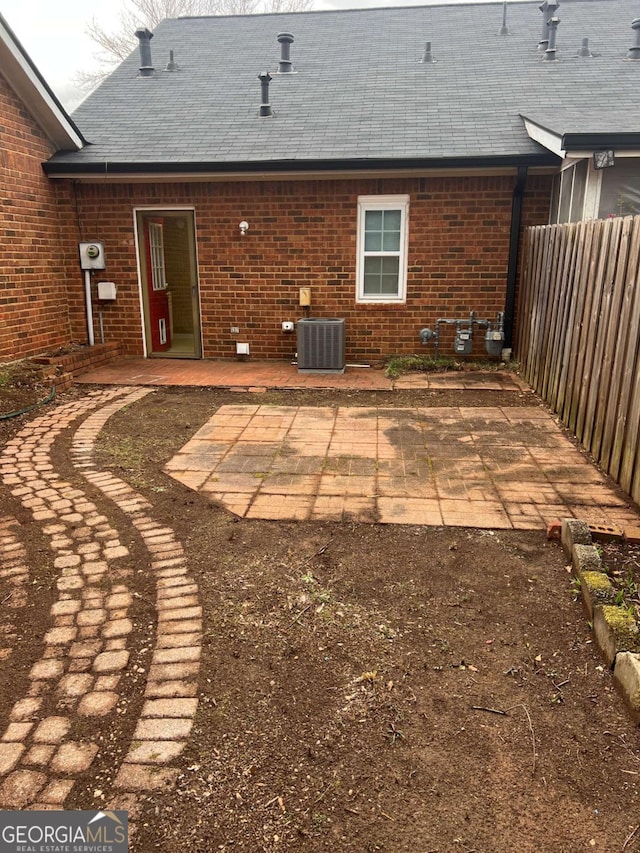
170	694
14	578
87	645
39	755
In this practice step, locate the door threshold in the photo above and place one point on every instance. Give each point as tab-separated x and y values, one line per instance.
183	355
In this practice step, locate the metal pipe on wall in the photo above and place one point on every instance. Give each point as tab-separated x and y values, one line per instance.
512	269
87	297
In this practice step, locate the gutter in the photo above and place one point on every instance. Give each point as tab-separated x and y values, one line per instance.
55	168
514	244
591	141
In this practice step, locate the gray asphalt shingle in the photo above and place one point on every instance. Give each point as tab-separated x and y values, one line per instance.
360	91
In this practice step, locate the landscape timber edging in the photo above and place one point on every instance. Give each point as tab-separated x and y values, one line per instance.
616	631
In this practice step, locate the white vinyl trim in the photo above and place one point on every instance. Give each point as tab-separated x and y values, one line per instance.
398	203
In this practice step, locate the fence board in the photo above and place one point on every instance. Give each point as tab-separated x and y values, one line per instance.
627	350
596	386
540	302
560	326
587	287
529	317
629	476
570	335
593	323
549	330
576	315
525	307
601	446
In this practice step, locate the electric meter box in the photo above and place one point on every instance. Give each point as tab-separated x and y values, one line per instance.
463	343
91	256
107	290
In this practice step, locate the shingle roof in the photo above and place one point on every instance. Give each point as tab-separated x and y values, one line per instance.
360	93
572	120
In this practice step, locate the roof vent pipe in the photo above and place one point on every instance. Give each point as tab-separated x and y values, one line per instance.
146	66
634	52
172	65
504	29
286	65
550	52
584	50
547	8
265	107
427	56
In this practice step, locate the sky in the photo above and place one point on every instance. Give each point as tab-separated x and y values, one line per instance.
53	32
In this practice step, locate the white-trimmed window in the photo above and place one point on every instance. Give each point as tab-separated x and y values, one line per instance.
381	268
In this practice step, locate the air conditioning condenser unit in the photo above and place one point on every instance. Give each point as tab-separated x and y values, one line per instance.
321	345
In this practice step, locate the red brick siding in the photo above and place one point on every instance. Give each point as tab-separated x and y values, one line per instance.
303	233
33	251
536	202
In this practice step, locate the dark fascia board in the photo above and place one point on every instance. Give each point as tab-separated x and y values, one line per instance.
53	167
596	141
31	87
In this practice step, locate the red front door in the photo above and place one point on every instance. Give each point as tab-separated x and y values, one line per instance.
159	312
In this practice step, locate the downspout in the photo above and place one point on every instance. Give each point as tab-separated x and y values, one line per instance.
514	243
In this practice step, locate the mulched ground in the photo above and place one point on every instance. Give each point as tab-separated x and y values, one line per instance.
22	385
369	687
354	672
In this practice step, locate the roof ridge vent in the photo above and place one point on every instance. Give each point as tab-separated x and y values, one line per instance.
172	65
550	52
504	29
286	65
144	37
634	52
584	50
427	56
548	9
265	107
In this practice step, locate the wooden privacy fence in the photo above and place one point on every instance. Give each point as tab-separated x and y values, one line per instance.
578	335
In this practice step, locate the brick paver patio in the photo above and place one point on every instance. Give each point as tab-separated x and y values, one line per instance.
508	467
261	375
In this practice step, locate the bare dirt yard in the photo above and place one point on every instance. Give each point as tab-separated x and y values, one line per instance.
363	687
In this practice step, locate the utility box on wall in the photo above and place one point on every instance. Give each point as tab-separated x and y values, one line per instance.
321	345
305	297
91	256
107	290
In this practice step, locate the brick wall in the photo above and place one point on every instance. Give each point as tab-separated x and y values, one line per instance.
303	233
35	238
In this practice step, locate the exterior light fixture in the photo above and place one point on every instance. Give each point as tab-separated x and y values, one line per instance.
244	227
603	159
